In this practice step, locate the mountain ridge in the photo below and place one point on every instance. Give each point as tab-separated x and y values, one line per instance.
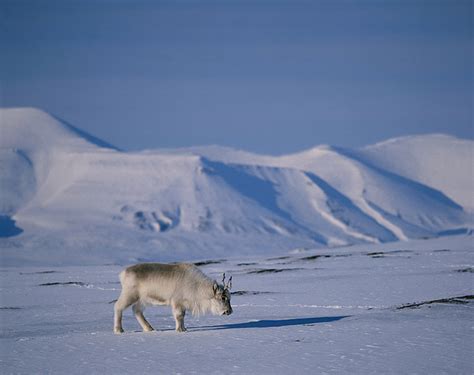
78	197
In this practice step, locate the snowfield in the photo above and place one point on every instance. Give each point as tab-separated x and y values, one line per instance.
366	309
343	261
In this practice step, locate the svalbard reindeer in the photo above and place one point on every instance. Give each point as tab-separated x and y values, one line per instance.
182	286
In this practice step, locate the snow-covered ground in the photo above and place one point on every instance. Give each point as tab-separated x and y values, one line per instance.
340	310
344	261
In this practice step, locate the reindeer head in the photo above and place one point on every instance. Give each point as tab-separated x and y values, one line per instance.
221	300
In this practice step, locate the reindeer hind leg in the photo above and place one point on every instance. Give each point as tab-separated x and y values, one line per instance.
124	301
138	311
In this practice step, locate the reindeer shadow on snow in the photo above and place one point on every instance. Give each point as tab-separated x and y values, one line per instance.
273	323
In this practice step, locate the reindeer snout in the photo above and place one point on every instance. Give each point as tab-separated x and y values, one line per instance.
228	311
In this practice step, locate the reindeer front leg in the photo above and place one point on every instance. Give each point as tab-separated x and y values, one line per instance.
178	314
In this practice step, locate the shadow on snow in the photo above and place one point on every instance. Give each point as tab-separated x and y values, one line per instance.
274	323
8	227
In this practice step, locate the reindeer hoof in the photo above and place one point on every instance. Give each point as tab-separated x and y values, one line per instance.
118	331
148	329
181	329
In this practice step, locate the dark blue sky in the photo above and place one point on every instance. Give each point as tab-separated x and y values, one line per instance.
266	76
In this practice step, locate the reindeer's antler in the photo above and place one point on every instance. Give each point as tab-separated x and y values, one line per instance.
227	285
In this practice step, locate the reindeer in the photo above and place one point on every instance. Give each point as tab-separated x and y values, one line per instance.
182	286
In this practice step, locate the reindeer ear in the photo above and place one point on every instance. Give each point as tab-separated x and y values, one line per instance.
215	287
229	284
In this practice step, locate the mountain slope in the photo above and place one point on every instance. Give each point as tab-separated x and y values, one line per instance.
405	207
79	200
32	144
440	161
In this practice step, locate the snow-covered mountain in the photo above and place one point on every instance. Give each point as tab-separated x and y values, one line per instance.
71	198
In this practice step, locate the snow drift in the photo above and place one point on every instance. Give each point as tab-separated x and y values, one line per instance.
75	199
